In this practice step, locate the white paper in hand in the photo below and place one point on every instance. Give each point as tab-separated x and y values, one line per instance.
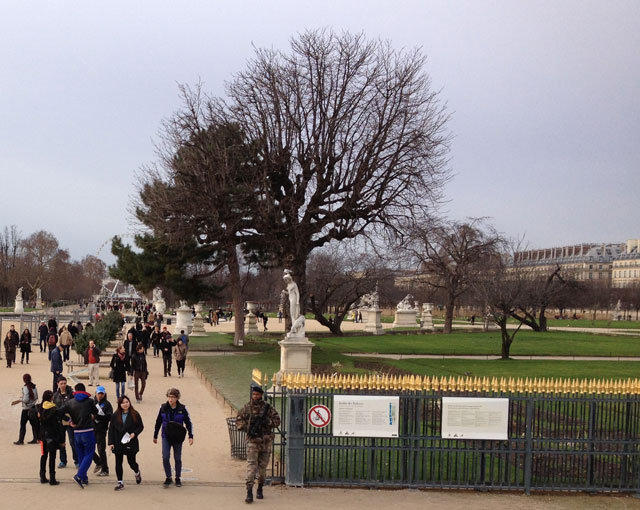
126	438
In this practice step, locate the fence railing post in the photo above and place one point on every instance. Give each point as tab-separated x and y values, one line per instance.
528	456
294	460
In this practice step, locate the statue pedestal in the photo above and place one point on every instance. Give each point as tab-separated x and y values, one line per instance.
19	308
161	306
295	355
251	324
405	319
183	320
198	326
374	322
427	317
39	304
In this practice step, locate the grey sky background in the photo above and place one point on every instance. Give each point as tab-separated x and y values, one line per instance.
544	98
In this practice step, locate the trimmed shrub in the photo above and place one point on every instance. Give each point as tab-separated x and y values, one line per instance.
103	333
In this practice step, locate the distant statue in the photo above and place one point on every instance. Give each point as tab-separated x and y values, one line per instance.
157	294
183	303
370	301
38	294
19	294
406	303
297	320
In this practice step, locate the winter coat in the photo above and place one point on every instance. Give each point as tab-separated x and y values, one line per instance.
25	342
101	421
9	349
254	410
65	338
120	368
180	352
51	429
29	403
82	409
117	429
139	362
179	415
96	353
166	346
60	399
56	360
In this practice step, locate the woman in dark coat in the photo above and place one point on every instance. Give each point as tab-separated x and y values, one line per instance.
9	349
25	345
125	420
121	367
52	436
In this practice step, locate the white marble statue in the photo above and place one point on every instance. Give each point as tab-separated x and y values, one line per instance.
297	320
19	294
370	301
406	304
183	303
38	294
157	294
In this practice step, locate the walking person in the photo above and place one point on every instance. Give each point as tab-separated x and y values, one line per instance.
124	429
52	340
100	425
51	437
140	371
10	349
180	353
175	421
61	396
25	345
66	340
92	359
258	419
156	340
29	399
166	347
121	367
56	364
82	409
43	332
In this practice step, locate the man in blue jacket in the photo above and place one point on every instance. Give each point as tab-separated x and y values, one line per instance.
56	365
82	409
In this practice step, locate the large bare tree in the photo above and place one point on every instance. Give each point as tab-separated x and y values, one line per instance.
349	134
451	256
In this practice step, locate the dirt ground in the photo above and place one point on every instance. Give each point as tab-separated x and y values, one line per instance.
211	478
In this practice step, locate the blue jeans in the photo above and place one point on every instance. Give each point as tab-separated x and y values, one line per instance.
72	444
85	445
177	456
120	387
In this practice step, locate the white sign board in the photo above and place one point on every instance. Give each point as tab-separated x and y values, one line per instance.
475	418
365	416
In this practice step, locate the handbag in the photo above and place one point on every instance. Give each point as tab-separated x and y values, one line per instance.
110	376
131	383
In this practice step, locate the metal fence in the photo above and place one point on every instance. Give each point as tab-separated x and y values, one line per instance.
556	441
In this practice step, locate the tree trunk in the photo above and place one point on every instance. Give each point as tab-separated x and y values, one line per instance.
542	319
448	316
506	341
236	293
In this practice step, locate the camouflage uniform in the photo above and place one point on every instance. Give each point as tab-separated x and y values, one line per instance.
258	448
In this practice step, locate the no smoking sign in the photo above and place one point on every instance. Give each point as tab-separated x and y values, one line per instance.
319	416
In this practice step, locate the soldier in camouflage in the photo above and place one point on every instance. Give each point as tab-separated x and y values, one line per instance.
257	419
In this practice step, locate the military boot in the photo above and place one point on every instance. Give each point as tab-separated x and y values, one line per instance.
249	498
259	494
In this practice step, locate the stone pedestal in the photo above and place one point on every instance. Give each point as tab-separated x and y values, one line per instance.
161	306
374	322
19	308
198	326
183	320
427	317
405	319
251	320
295	356
39	304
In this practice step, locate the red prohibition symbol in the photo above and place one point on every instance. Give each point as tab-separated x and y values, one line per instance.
319	416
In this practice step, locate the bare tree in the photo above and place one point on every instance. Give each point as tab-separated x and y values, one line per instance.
338	276
349	136
10	243
41	251
450	256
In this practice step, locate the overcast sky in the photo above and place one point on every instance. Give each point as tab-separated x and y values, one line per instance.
544	97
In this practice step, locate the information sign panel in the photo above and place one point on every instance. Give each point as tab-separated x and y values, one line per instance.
475	418
365	415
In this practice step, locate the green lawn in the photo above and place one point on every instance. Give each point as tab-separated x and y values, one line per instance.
559	343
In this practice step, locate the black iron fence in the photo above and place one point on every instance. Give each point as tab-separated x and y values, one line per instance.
556	441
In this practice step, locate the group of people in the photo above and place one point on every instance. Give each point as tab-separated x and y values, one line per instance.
14	341
92	427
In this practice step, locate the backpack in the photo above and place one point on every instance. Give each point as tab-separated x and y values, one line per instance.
52	341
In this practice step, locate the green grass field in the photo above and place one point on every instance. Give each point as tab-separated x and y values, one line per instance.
232	374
